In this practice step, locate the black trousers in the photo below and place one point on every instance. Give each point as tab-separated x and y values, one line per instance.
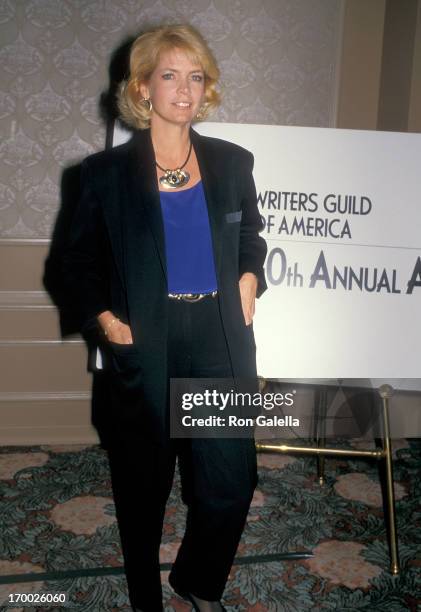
218	478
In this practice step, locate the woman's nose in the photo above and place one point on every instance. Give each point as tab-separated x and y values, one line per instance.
183	85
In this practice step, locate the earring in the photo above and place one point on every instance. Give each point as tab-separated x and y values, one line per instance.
200	113
149	102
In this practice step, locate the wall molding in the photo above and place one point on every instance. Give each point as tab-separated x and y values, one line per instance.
36	342
44	396
24	241
23	300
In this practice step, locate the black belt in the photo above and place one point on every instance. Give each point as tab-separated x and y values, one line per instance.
191	297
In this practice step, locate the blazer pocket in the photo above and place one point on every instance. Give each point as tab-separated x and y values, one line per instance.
234	217
123	357
122	349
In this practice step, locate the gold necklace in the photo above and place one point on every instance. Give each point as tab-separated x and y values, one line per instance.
172	179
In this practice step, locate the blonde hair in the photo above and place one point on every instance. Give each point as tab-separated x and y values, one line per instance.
144	57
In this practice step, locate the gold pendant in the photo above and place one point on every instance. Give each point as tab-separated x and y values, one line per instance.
172	179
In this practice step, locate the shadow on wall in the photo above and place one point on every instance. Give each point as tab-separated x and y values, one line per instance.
119	69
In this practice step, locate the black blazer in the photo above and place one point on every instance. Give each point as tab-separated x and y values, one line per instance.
115	260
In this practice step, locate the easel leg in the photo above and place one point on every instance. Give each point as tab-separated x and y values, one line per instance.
321	434
386	393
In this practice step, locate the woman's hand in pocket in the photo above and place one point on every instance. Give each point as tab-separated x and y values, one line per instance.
248	288
115	330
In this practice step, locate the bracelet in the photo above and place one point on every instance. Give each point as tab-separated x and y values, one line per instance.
110	324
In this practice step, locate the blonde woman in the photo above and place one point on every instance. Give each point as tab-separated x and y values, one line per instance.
163	265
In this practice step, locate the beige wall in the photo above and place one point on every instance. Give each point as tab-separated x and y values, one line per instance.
398	52
414	120
45	389
379	84
360	67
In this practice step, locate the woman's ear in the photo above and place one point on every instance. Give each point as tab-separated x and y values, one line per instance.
143	89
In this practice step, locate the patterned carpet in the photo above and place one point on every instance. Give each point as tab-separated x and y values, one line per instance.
57	519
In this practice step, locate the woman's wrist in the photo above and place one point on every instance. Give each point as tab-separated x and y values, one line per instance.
249	280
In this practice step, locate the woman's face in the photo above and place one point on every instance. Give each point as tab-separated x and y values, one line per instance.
176	89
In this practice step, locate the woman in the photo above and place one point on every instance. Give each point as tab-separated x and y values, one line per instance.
164	263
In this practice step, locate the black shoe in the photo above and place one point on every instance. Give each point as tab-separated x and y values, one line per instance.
186	595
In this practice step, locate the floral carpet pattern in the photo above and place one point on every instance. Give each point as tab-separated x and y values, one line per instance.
57	519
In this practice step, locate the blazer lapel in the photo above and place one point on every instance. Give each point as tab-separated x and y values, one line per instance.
212	184
144	194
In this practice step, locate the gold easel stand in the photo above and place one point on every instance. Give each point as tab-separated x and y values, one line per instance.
384	453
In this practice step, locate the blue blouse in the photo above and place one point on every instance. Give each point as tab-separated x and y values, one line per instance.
188	242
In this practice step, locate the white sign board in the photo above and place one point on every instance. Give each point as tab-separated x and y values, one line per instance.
342	213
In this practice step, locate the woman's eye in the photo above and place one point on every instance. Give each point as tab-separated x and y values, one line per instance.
167	76
197	77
